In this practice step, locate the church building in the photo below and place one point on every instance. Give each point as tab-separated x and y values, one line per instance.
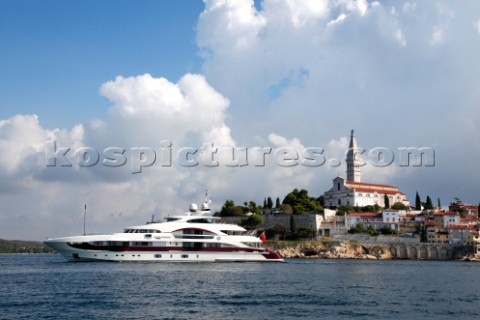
353	192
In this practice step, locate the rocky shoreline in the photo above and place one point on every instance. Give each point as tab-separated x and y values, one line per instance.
338	250
344	250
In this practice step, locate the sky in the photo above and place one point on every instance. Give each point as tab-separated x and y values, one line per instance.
135	108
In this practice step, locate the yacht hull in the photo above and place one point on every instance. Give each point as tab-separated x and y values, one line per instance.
165	255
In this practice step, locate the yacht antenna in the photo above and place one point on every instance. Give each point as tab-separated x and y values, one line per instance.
84	218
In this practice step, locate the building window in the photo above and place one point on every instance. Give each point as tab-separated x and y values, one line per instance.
158	256
338	186
339	202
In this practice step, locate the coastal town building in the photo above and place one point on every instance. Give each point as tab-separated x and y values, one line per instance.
353	192
449	227
461	234
467	209
430	229
387	218
476	241
457	226
444	219
441	237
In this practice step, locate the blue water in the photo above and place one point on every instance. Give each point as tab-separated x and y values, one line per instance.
48	287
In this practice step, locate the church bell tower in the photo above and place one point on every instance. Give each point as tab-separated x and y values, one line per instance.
353	164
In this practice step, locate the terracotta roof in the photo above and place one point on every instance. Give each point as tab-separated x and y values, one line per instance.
372	187
378	222
451	213
457	226
448	213
369	184
364	214
429	223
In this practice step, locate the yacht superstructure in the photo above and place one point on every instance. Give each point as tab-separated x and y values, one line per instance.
196	236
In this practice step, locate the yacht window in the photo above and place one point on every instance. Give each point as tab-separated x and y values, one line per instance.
211	245
232	232
141	244
198	221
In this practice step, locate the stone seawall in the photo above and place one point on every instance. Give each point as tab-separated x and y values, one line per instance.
374	251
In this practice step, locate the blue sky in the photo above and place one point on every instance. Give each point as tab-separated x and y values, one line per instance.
239	73
56	54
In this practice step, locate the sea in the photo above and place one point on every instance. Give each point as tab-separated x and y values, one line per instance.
48	287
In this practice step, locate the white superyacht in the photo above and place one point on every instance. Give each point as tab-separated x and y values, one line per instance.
195	236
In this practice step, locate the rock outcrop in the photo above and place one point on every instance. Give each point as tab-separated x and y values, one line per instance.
470	257
335	250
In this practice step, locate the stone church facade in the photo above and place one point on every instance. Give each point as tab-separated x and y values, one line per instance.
353	192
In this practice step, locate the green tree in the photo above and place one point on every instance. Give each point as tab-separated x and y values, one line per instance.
291	198
418	202
293	225
399	206
269	203
387	231
305	232
230	209
357	229
302	201
423	234
429	204
387	201
252	221
253	206
286	208
439	204
227	207
265	203
343	210
370	208
372	232
298	209
277	229
462	211
236	211
321	200
277	203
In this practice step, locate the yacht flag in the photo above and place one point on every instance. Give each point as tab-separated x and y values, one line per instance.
264	239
